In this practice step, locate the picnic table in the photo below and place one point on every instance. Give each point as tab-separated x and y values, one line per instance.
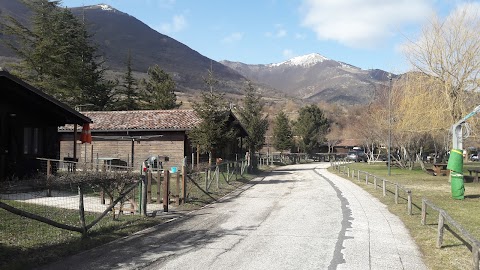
476	171
440	169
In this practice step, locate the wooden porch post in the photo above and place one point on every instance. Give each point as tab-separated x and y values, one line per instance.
133	153
198	156
74	146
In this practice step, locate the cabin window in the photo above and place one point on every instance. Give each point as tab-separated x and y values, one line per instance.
32	138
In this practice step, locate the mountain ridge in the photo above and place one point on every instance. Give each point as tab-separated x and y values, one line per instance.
311	77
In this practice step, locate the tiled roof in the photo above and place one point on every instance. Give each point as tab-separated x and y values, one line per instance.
141	120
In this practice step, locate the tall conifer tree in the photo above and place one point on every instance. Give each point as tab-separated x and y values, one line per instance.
159	90
252	118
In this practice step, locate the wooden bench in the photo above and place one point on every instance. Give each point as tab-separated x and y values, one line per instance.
440	169
476	171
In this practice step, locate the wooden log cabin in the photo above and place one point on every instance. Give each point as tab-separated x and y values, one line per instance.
29	121
130	137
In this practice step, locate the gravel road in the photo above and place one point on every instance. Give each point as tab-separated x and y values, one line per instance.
298	217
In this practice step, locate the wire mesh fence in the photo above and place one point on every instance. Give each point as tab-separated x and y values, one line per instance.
66	200
76	196
70	196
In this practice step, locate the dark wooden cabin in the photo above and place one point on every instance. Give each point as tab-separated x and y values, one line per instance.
130	137
29	121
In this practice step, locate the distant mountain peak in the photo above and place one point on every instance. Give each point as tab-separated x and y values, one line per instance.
307	60
104	7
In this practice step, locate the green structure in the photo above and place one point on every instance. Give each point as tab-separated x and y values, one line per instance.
455	161
455	164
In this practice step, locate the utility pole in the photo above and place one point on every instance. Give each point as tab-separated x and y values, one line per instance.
389	124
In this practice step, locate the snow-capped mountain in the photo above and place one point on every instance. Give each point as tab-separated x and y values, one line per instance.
304	60
116	33
310	77
314	78
103	7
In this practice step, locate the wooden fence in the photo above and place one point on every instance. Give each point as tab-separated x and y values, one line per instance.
372	179
443	216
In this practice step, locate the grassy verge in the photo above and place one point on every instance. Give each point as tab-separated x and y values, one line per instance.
26	243
454	254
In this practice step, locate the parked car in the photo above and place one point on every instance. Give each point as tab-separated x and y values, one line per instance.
474	157
357	156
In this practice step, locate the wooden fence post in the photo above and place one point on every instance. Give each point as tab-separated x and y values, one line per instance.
366	178
358	176
166	189
228	171
149	187
409	206
348	171
375	182
235	170
384	188
184	184
81	211
440	229
49	175
177	189
424	212
102	195
217	176
206	179
396	193
143	205
475	257
159	186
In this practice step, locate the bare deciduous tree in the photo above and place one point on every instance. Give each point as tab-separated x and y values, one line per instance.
449	50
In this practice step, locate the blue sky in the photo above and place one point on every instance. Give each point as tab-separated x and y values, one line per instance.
364	33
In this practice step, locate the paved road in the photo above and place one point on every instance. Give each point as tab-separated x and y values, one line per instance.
299	217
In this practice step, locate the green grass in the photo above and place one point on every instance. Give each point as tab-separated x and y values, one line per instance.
454	254
25	243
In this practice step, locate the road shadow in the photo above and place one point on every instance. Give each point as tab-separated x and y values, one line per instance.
156	244
273	182
294	170
276	173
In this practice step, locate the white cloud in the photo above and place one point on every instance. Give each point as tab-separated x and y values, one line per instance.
163	3
279	32
287	53
469	11
233	37
177	24
362	23
300	36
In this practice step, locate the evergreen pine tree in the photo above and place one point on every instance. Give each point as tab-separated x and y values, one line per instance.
159	90
311	127
56	55
213	132
252	119
129	99
282	132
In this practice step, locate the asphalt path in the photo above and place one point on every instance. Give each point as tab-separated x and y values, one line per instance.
297	217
